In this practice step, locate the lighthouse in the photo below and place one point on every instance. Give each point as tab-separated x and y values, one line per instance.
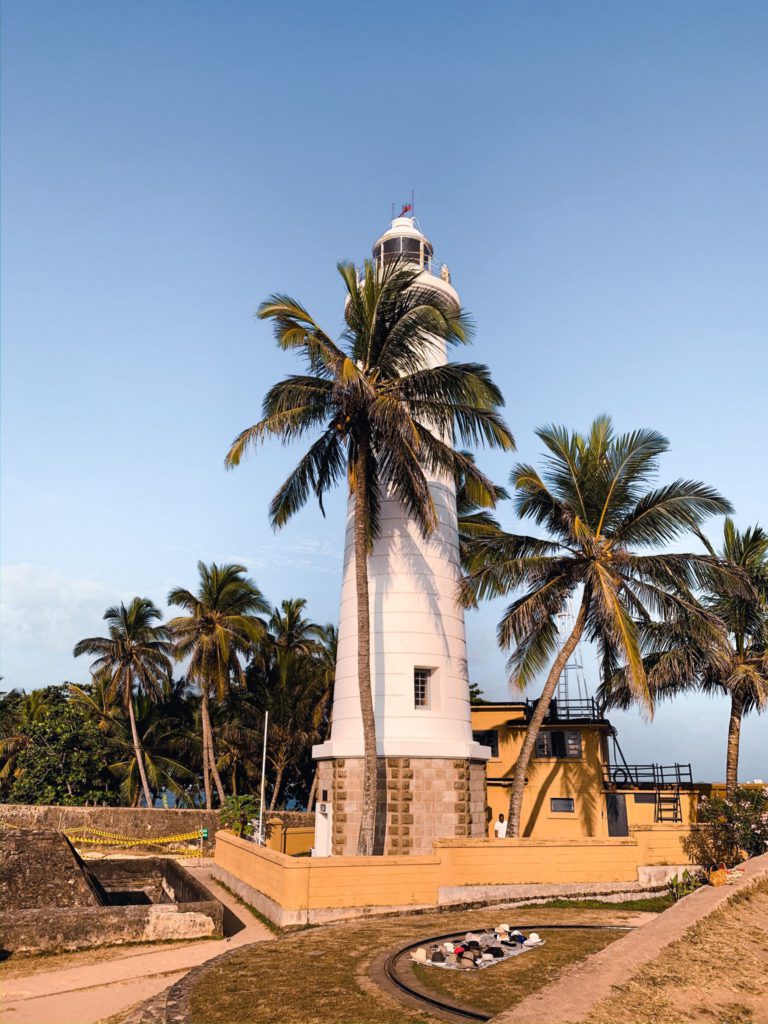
431	773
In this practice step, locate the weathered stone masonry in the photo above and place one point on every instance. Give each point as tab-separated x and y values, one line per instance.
419	799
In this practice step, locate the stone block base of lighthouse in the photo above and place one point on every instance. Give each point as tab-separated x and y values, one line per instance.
420	799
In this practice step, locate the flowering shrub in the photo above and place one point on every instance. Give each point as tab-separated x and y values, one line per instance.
729	829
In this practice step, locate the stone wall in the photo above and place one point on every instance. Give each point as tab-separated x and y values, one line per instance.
38	869
141	822
420	799
50	903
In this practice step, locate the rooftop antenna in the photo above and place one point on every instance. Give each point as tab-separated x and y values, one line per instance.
413	204
572	684
393	210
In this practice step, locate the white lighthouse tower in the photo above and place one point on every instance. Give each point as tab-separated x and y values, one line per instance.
431	772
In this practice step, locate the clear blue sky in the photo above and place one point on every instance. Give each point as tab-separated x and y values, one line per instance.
594	174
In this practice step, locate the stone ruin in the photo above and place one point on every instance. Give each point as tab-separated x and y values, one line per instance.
52	900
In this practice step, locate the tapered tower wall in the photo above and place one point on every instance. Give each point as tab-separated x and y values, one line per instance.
428	759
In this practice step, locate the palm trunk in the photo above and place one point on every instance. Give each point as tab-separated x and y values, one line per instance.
368	818
138	754
532	732
214	769
206	748
734	733
312	791
276	788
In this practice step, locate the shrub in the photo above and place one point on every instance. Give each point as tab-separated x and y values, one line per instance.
729	829
238	813
683	885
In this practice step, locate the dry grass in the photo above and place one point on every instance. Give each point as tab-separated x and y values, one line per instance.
320	976
716	974
501	986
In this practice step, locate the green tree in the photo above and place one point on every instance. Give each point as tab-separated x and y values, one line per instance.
135	655
603	522
728	656
66	760
222	625
19	713
384	415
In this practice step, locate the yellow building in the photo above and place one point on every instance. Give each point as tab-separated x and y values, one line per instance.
578	783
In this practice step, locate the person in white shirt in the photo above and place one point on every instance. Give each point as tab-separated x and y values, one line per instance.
500	828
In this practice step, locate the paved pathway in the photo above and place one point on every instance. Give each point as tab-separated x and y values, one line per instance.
92	992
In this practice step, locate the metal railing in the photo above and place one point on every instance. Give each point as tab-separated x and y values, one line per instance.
429	265
647	776
579	709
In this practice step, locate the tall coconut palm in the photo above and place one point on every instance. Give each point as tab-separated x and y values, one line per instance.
594	502
728	657
383	415
222	625
136	654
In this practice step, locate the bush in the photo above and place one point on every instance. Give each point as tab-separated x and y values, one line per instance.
238	813
683	885
729	829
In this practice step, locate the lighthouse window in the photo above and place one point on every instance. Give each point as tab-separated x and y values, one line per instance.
422	678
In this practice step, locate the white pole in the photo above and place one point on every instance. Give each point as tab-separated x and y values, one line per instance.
263	773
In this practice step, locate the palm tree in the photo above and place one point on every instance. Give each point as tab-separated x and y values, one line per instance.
728	657
287	683
223	624
474	519
594	503
384	416
136	655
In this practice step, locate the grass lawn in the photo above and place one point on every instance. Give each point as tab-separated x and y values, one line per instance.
501	986
653	904
716	974
320	976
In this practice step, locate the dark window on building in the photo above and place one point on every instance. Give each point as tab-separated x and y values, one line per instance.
557	743
488	738
645	798
561	805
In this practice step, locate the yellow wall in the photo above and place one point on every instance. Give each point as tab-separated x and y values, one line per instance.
313	885
578	778
293	839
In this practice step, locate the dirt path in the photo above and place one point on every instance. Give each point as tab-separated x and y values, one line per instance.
83	990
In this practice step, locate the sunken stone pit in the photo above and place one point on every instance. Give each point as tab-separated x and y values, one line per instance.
50	899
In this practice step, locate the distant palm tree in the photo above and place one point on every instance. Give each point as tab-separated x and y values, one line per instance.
384	416
594	502
136	654
729	656
288	683
222	626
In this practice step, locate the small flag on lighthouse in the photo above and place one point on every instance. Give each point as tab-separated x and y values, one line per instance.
406	209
